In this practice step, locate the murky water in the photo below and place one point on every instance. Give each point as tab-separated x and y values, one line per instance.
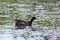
43	11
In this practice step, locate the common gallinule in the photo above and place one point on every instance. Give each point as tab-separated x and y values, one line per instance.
20	24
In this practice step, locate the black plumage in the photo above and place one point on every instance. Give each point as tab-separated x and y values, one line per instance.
20	24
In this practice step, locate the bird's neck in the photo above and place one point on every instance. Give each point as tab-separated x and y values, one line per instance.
30	22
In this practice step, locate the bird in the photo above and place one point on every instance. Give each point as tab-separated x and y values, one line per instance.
20	24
